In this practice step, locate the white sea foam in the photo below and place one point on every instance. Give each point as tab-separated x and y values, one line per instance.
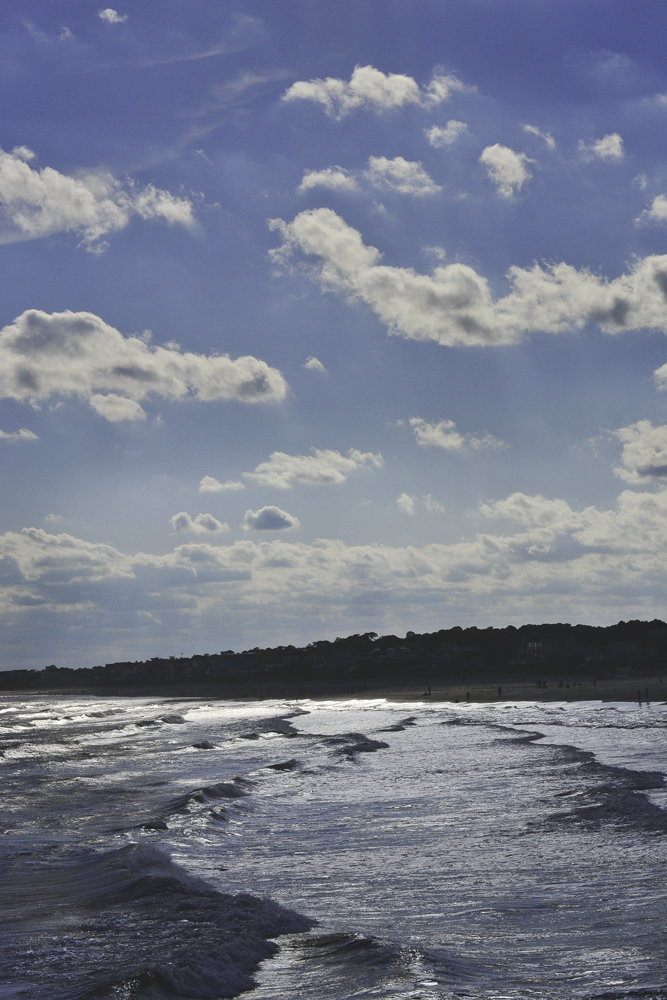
443	849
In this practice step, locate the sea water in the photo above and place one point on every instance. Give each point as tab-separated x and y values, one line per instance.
159	848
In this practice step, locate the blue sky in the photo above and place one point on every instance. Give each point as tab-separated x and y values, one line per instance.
320	319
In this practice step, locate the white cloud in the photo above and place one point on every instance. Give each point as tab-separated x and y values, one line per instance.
373	90
644	455
23	153
210	485
610	147
454	305
325	467
505	168
21	435
202	524
38	203
553	562
62	559
546	136
64	354
335	178
116	408
313	365
440	136
657	212
269	519
432	506
443	434
401	175
111	16
54	518
406	503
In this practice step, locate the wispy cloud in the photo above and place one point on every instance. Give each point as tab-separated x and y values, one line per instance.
546	136
21	435
210	485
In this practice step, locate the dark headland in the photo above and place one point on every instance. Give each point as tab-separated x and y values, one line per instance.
624	662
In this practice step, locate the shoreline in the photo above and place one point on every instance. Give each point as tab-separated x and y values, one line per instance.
479	691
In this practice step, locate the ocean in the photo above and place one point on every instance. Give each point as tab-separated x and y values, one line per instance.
160	848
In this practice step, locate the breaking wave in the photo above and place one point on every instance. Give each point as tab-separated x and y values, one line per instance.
139	926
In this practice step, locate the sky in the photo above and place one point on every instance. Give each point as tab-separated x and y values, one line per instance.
321	319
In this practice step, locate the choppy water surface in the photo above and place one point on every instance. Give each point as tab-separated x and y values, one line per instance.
331	850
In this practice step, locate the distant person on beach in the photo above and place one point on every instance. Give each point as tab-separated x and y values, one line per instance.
639	697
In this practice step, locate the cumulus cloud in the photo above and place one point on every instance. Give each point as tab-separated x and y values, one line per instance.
552	561
325	467
313	365
644	456
406	503
440	136
116	408
443	434
401	175
454	305
57	559
202	524
610	147
269	519
65	354
38	203
54	518
505	168
373	90
334	178
657	212
210	485
21	435
546	136
111	16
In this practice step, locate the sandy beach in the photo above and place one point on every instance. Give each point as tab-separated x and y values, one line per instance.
649	688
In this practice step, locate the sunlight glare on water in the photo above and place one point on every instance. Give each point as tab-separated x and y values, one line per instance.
407	850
